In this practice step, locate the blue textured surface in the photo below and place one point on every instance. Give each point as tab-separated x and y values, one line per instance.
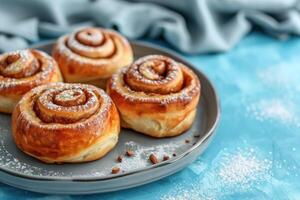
256	152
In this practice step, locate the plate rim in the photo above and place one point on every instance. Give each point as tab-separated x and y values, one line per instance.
207	135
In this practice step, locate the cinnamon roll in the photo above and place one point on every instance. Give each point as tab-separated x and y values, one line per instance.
156	96
62	122
22	70
92	55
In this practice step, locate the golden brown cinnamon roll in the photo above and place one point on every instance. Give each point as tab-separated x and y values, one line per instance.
92	55
22	70
156	96
62	122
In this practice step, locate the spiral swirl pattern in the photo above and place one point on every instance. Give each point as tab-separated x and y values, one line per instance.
66	105
22	70
66	122
91	54
155	74
92	43
19	64
156	96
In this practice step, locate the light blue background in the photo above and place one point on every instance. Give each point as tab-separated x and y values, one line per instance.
256	152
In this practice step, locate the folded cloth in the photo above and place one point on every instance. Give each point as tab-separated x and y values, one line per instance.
192	26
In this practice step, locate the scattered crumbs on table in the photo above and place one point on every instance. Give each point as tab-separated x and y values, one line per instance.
142	153
187	141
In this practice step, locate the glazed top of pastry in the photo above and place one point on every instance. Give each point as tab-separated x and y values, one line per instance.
18	64
57	104
68	103
24	69
156	78
94	44
155	74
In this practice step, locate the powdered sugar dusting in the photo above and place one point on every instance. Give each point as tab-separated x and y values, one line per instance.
242	169
283	75
231	172
274	109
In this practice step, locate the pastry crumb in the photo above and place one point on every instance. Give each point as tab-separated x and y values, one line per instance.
115	170
166	157
153	159
129	153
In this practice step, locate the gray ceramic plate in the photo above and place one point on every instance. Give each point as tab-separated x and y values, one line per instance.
20	170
